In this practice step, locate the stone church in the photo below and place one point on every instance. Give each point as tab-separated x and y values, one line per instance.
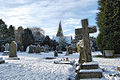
60	37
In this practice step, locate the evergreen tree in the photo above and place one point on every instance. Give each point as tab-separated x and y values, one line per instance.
108	21
11	34
27	38
3	29
63	42
46	41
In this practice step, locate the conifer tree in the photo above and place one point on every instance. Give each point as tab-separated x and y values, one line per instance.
11	34
27	38
108	21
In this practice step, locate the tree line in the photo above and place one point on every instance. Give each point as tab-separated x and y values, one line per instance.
28	36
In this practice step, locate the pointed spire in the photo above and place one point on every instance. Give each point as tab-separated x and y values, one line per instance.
59	32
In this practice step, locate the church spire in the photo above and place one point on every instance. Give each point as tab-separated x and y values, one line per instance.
59	32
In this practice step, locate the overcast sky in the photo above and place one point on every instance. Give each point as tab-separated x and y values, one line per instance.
47	14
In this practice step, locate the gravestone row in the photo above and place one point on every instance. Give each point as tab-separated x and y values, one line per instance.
34	49
38	49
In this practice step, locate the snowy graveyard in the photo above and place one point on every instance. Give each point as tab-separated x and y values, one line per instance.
36	67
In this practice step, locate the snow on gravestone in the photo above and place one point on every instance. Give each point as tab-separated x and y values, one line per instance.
6	52
7	47
13	51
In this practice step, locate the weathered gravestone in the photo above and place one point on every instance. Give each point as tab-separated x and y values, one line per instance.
34	49
79	32
7	47
13	51
69	50
55	53
46	49
59	49
37	49
31	49
6	52
88	68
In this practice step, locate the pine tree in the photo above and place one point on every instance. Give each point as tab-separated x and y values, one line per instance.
11	34
108	21
46	41
3	29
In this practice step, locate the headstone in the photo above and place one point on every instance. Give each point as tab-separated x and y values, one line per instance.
13	51
31	49
88	68
22	48
7	47
6	52
109	53
34	48
86	41
70	50
67	51
1	60
55	54
46	49
38	49
118	68
59	49
42	48
79	33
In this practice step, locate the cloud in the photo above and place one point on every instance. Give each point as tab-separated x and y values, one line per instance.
47	13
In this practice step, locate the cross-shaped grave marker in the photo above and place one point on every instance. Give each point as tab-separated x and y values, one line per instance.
84	31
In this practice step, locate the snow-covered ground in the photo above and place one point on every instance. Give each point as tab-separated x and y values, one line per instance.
36	67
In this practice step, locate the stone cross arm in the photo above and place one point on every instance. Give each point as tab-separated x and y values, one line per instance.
79	31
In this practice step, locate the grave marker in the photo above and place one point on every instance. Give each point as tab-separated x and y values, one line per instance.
87	68
13	51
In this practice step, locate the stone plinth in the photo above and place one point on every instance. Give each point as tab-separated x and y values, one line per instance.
90	73
89	70
13	58
89	65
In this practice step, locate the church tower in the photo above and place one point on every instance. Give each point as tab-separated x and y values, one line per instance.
59	32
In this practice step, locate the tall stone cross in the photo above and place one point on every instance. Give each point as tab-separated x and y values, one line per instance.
86	41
